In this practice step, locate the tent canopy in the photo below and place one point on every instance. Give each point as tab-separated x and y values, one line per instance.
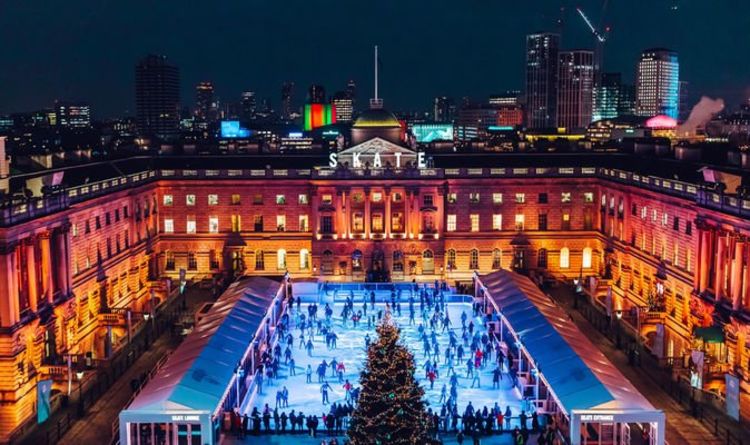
578	373
195	377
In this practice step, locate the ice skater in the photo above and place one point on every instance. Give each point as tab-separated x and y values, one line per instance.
324	388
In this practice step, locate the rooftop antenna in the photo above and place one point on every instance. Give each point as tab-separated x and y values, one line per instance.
376	102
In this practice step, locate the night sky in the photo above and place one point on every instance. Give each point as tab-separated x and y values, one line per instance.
86	50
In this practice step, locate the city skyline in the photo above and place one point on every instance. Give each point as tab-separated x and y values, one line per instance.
415	70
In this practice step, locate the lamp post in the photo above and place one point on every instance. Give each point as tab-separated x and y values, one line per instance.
79	376
238	375
618	317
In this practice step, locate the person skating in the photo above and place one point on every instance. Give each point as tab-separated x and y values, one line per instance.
324	392
309	347
285	397
496	377
443	394
292	367
308	374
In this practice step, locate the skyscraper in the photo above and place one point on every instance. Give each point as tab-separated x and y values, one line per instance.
248	105
541	79
316	94
287	89
351	91
607	95
684	102
575	92
444	109
72	115
157	97
204	101
658	83
344	105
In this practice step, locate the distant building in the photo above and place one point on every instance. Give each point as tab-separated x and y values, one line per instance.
351	91
684	103
507	98
287	90
248	105
541	79
157	97
658	85
204	101
444	109
575	89
72	115
344	105
316	94
473	122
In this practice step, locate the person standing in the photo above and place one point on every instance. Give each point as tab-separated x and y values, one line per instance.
324	392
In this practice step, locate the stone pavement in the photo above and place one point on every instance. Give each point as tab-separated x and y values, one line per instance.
96	426
682	428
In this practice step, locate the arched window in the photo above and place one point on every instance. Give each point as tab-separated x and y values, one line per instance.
474	259
326	264
357	260
398	261
304	259
586	261
564	258
497	258
281	259
541	259
428	262
260	261
451	259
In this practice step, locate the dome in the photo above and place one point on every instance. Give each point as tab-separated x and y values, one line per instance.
376	118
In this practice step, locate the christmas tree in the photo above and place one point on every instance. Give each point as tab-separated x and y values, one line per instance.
390	409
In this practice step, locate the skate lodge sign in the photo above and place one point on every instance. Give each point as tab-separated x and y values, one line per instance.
378	153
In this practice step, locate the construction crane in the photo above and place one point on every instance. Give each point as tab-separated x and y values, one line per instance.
601	34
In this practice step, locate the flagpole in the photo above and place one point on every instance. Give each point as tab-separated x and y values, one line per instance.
376	73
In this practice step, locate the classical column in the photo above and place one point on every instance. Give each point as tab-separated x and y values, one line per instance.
8	284
314	215
746	282
387	217
698	264
719	270
736	283
62	255
340	226
704	258
48	285
368	214
407	212
33	284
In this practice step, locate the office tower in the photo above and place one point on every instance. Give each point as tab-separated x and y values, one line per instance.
444	109
72	115
351	91
575	89
247	105
287	89
506	98
658	85
157	97
344	105
204	102
613	98
316	94
541	79
684	102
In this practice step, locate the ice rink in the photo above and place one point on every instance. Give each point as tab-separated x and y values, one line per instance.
306	397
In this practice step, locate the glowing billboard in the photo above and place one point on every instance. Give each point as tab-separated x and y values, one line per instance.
233	130
319	115
426	133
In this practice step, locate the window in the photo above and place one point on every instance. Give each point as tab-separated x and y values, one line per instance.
235	200
125	213
74	230
654	215
303	199
397	221
358	222
358	198
543	199
260	260
326	224
377	222
451	223
634	209
588	197
676	256
213	224
452	198
117	215
190	225
168	200
451	259
236	223
564	258
168	225
676	223
304	225
565	197
280	199
427	200
664	219
688	228
214	259
542	221
497	256
428	262
326	199
474	259
497	198
281	259
397	197
106	219
189	200
644	212
280	223
474	198
258	223
213	200
519	221
192	261
304	259
257	199
376	197
586	261
565	221
474	222
497	221
520	198
169	260
541	259
326	263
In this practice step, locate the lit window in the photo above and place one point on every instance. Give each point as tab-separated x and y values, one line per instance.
497	222
497	198
654	215
236	223
644	212
565	197
281	259
213	224
326	199
664	219
588	197
520	219
304	259
190	200
74	230
302	199
451	223
235	200
452	198
190	226
586	261
564	258
280	223
397	197
520	198
280	199
168	200
473	198
474	259
377	197
169	226
474	222
213	200
303	223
